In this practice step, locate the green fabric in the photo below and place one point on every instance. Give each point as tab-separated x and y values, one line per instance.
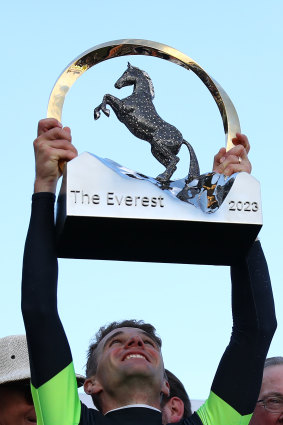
216	412
57	401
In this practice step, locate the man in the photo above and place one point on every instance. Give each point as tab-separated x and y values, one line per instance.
178	405
269	408
16	404
175	406
125	366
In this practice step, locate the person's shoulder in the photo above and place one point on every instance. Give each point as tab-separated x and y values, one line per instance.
91	416
192	420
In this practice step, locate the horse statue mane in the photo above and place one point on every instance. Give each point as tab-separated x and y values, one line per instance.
146	75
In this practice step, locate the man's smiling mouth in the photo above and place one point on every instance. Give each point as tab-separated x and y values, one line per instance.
135	356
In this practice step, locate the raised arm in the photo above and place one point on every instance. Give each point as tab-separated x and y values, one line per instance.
238	378
50	356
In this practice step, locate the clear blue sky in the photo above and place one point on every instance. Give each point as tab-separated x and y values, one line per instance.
237	43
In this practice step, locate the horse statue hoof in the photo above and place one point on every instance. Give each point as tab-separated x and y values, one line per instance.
106	112
162	178
96	114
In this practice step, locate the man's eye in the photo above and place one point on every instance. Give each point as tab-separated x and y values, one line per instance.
148	341
274	400
114	341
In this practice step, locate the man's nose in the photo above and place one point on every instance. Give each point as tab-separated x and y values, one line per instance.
135	341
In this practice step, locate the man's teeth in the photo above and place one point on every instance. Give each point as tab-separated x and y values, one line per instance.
135	356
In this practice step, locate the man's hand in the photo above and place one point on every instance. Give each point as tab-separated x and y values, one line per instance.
236	159
51	147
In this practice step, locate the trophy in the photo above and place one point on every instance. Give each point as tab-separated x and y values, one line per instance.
108	211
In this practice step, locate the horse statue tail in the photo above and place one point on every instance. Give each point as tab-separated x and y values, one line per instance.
194	165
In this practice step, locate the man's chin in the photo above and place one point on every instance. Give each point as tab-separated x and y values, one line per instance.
136	366
141	374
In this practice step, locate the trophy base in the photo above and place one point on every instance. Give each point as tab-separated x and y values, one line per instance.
105	211
160	241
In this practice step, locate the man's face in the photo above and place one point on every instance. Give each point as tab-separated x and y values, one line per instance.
126	354
272	386
15	408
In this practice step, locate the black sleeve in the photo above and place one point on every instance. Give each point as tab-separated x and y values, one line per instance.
47	343
239	375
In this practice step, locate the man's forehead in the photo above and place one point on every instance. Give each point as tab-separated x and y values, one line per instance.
272	380
128	331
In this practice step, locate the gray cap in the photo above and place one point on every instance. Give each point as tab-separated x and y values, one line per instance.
14	360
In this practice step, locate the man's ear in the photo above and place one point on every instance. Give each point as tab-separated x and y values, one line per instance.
165	388
176	407
92	386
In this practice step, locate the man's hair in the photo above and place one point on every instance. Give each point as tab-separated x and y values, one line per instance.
273	361
91	364
177	389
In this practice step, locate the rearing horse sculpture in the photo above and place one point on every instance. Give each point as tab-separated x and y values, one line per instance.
139	115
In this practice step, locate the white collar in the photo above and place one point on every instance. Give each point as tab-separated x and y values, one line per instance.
134	405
